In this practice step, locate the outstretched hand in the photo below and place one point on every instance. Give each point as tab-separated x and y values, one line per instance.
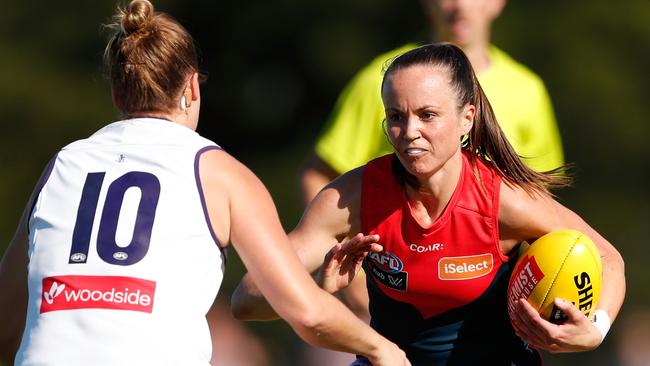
344	260
576	334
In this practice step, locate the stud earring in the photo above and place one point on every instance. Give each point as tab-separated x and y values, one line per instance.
183	103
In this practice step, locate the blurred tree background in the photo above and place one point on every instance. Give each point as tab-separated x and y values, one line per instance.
275	69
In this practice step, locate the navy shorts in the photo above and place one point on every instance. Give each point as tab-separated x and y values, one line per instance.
361	361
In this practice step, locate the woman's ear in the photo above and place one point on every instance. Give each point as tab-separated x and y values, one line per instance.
191	92
467	121
194	86
187	98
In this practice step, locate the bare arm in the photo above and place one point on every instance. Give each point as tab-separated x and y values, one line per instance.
13	286
315	176
13	282
254	229
516	223
330	217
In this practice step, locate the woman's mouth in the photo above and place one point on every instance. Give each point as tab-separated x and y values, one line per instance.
414	151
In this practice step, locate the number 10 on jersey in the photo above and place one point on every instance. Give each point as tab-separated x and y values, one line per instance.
107	248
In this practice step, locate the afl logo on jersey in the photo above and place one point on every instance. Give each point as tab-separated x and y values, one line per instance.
78	257
387	268
387	261
120	256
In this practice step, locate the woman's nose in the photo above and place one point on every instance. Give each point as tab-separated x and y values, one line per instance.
412	128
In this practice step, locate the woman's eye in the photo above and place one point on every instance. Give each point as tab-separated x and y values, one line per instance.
427	116
393	117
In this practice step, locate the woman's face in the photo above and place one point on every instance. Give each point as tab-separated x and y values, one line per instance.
464	22
423	120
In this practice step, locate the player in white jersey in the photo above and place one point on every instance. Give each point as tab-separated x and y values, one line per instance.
120	250
134	238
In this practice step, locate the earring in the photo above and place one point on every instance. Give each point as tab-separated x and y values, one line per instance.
183	103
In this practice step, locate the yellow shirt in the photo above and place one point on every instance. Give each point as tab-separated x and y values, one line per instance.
354	133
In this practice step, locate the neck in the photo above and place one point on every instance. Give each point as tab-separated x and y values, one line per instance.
181	118
475	49
148	115
432	197
478	56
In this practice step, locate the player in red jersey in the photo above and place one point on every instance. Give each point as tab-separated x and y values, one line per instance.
444	216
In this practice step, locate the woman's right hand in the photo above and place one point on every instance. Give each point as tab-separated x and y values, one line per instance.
343	261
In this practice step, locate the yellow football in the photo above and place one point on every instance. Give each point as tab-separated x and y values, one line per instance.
564	264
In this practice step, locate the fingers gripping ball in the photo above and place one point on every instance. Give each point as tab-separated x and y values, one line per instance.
564	264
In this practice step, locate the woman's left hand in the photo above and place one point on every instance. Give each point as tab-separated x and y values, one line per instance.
576	334
344	260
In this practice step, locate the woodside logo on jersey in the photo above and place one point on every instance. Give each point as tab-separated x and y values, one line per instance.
97	292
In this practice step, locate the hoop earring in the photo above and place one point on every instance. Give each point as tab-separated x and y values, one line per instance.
384	129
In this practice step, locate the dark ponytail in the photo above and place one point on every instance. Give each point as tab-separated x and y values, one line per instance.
485	140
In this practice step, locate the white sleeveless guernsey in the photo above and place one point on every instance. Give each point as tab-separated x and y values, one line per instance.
123	264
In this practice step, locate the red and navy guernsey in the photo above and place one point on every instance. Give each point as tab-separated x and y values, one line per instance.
440	292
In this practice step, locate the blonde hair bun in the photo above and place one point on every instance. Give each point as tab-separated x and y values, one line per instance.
136	16
149	58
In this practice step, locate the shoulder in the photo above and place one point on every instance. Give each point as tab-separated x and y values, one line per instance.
345	189
217	166
512	70
336	207
221	175
206	143
525	215
232	193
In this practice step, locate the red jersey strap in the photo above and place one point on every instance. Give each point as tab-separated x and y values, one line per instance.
379	181
483	196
